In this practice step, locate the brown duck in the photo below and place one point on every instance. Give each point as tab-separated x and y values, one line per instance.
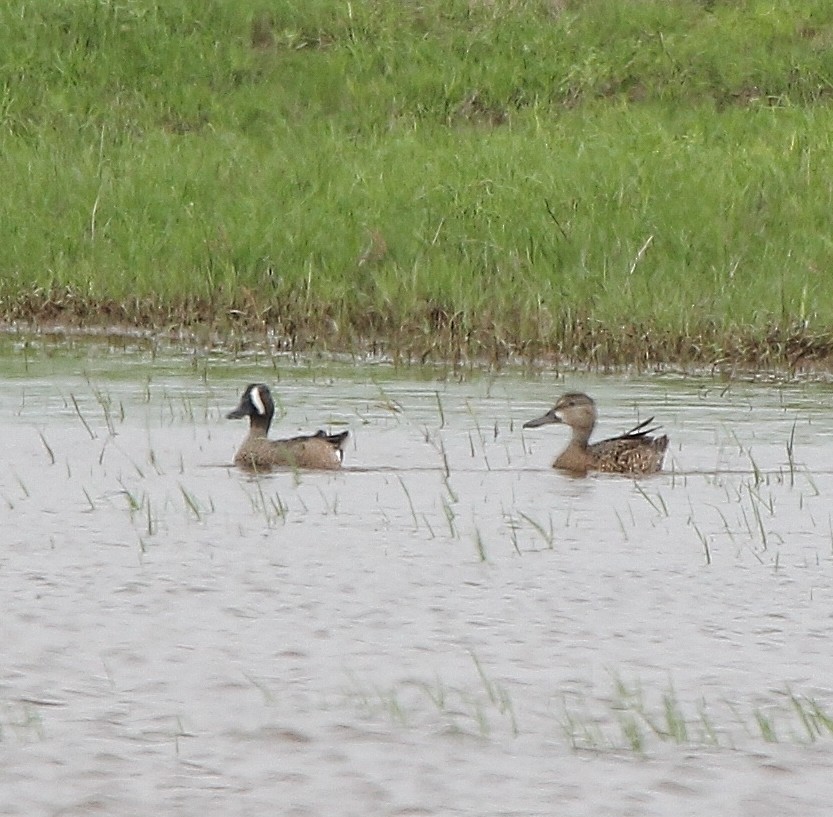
319	450
634	452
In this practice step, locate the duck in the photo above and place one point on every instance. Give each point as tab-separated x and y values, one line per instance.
635	452
319	451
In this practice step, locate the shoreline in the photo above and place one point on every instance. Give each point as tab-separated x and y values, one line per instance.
784	351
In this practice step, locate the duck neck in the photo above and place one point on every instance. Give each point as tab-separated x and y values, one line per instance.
259	426
581	436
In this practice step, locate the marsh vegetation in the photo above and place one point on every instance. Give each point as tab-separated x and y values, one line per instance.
630	183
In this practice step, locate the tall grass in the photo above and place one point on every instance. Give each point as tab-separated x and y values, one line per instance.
610	182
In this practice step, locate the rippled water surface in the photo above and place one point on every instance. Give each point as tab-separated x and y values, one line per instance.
448	626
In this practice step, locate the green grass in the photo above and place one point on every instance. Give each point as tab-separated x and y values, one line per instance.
613	183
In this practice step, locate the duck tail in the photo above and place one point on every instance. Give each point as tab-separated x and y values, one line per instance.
336	440
641	430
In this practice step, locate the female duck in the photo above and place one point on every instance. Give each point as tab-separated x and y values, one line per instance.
634	452
319	450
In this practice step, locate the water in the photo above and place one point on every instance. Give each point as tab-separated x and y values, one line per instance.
448	626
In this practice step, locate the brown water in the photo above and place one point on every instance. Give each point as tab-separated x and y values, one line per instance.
446	627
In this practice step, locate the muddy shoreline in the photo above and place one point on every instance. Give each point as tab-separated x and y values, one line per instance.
791	350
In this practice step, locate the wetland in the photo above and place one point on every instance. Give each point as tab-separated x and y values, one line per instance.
447	625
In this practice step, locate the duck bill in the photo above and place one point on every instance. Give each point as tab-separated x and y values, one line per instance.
543	420
238	413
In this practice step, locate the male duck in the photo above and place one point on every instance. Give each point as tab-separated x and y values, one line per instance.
319	450
634	452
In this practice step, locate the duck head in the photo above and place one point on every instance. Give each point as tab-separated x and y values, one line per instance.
573	409
256	403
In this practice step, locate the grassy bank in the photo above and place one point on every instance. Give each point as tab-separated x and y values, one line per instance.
613	183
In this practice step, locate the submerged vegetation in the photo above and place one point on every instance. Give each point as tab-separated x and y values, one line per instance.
636	182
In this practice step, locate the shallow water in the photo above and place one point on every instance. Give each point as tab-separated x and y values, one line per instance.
446	626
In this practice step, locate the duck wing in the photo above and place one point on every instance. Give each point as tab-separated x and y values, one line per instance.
634	452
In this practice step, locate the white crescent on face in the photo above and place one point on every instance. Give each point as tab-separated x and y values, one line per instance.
257	401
